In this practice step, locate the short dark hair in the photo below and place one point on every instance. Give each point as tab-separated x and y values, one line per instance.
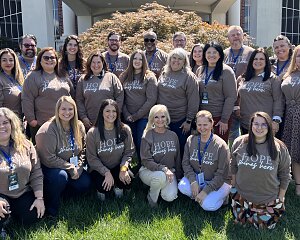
121	134
219	65
30	36
250	72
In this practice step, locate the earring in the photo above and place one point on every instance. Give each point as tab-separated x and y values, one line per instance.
153	125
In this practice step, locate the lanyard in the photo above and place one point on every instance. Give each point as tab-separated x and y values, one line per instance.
205	147
235	58
13	81
111	65
208	76
152	58
72	141
278	71
26	64
7	156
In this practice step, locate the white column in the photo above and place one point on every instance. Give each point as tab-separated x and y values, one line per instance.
37	18
219	17
84	22
265	21
69	20
234	14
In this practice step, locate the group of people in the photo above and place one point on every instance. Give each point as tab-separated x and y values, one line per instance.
181	114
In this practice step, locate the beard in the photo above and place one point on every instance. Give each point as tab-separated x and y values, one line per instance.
114	47
30	53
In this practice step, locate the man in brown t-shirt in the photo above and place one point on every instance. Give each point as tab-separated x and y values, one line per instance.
116	61
156	57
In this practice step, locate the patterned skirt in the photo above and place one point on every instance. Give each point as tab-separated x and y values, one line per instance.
291	132
260	215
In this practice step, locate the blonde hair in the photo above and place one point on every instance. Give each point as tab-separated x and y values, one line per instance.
16	71
153	111
205	113
17	135
293	67
183	55
74	122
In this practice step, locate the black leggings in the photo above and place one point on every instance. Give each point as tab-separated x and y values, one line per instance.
19	208
98	179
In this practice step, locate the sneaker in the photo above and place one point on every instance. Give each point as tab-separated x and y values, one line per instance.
151	203
118	192
101	196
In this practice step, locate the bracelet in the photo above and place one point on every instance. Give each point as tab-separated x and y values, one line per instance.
123	169
39	198
193	182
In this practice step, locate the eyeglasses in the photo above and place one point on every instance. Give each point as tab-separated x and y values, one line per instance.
149	40
47	58
113	40
263	125
29	45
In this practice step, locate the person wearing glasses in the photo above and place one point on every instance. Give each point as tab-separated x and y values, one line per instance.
116	61
259	90
21	177
140	94
11	81
72	60
28	49
179	40
260	169
95	86
42	88
290	87
156	58
60	144
178	90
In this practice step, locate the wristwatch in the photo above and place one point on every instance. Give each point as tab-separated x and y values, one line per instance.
188	121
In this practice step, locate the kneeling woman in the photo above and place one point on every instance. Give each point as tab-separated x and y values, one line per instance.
109	151
205	164
21	178
260	168
60	144
160	156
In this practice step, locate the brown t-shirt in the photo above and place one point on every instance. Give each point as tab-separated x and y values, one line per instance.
257	95
159	150
10	94
157	61
139	97
52	150
214	164
91	92
222	94
28	169
103	156
238	61
291	88
40	94
116	64
259	178
179	91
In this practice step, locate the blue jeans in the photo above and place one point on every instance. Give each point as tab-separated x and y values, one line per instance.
137	129
56	181
175	127
234	131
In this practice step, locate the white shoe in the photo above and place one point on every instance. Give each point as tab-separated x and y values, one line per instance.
118	192
101	196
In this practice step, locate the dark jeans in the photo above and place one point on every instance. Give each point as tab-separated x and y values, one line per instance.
175	127
137	129
244	130
33	131
98	180
19	208
217	128
56	181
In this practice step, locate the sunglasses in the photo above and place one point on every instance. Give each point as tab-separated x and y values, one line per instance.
47	58
149	40
29	45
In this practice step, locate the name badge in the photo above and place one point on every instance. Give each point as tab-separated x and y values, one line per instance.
13	183
74	160
201	178
204	99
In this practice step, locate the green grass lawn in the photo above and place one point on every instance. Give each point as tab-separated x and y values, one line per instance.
132	218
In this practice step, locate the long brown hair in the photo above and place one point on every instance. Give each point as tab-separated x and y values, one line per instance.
88	70
251	144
